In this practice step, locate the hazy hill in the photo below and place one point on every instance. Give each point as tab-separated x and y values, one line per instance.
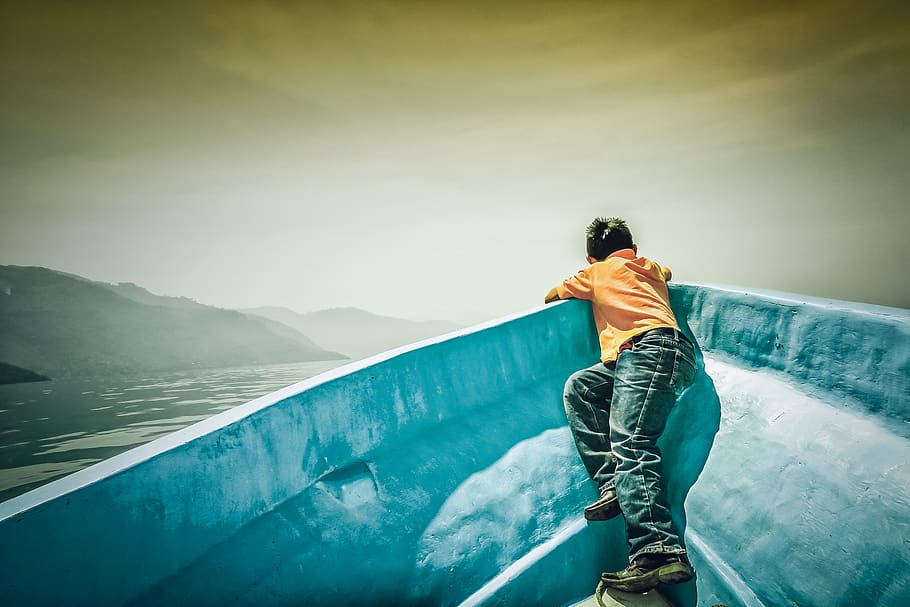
356	332
62	325
11	374
144	296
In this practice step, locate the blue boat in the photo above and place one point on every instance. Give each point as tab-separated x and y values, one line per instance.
443	473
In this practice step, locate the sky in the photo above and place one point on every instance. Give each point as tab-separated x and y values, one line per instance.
440	160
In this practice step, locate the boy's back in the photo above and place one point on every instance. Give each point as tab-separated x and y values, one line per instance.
629	296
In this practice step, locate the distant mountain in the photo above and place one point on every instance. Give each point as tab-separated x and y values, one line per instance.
356	332
139	295
11	374
61	325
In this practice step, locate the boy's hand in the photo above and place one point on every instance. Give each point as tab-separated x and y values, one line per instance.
552	296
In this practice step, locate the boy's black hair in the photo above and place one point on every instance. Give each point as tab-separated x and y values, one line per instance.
606	236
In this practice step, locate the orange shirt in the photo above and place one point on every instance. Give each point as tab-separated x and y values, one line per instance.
628	294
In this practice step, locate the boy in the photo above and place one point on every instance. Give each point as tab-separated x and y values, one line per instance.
617	409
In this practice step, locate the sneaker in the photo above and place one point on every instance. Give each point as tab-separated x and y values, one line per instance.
649	570
606	506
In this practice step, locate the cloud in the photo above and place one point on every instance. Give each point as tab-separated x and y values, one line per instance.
508	123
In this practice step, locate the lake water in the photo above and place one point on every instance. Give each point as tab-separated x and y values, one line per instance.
51	429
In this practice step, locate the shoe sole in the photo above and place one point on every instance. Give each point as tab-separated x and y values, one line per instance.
672	573
603	512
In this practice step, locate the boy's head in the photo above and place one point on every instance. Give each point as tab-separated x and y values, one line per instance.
606	236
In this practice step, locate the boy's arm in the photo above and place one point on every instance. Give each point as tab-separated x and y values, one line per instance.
578	286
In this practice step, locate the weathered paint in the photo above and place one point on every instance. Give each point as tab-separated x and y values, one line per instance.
443	473
805	498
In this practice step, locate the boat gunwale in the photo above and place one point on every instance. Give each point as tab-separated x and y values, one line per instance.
131	458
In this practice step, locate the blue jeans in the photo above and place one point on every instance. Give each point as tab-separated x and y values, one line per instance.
617	412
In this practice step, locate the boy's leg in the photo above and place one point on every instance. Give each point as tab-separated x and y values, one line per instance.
648	379
587	399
